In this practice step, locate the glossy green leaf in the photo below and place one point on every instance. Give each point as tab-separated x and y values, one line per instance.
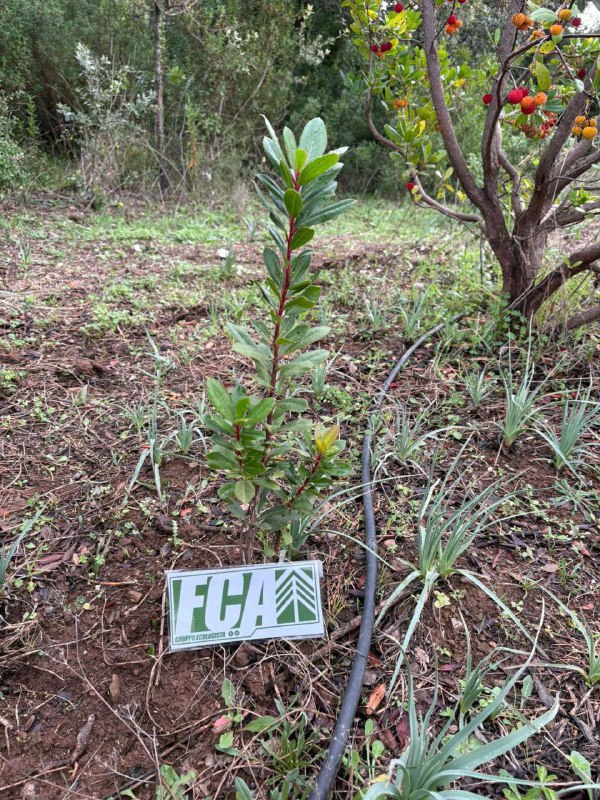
289	141
244	491
318	167
302	237
543	76
293	203
261	410
314	138
219	397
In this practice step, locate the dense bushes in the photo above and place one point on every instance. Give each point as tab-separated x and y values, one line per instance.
223	64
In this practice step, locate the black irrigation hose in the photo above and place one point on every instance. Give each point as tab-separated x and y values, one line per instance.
351	698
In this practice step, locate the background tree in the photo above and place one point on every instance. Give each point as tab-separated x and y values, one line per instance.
537	80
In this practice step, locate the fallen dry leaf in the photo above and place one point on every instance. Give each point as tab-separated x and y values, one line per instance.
375	699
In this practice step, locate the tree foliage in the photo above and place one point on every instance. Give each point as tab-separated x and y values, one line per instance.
537	81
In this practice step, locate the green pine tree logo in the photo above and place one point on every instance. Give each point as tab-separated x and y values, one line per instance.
295	599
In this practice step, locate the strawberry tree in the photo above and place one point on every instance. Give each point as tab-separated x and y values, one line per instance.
537	77
275	461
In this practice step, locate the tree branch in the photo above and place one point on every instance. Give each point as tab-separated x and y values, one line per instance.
547	164
490	144
448	212
513	174
570	215
578	262
375	132
452	147
427	199
583	319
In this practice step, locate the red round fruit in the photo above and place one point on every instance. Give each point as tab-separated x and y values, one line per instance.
462	2
410	186
524	91
582	73
576	22
374	48
386	46
452	19
514	97
487	99
398	7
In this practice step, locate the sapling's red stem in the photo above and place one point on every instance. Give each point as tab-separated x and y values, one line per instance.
252	511
307	480
280	311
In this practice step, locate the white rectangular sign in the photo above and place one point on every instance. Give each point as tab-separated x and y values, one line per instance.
264	601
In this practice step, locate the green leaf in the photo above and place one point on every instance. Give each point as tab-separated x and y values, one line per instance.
241	407
293	203
255	352
301	158
242	791
260	724
274	140
543	76
272	152
327	213
317	167
543	15
261	410
289	140
301	237
218	460
295	404
228	694
285	173
314	138
218	396
244	491
273	265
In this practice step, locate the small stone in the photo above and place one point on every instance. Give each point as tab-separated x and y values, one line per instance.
114	688
241	657
164	524
135	596
28	723
29	791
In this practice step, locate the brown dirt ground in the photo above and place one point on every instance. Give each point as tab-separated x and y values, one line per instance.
89	649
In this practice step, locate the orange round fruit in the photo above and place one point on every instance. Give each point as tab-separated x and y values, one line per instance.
579	120
537	34
576	130
518	19
565	14
540	98
556	30
400	103
589	132
528	105
450	29
592	123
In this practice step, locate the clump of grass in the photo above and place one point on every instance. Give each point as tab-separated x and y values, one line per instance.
478	386
579	416
520	397
431	764
408	438
443	537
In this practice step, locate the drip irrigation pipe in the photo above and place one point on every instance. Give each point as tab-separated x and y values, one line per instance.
345	720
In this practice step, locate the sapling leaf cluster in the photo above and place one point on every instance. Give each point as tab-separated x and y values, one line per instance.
276	462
